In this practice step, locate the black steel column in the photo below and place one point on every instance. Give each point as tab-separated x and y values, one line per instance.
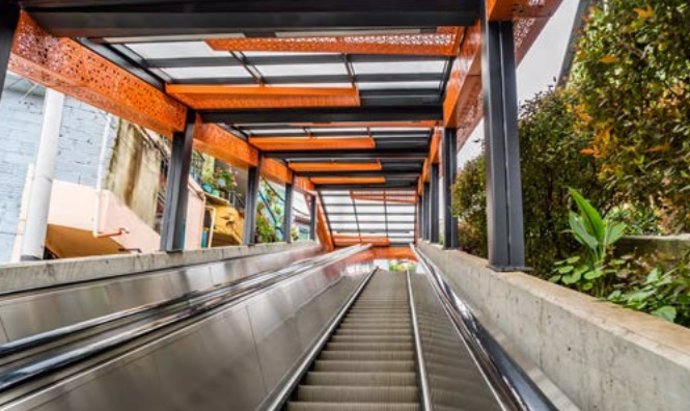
450	160
433	204
253	179
9	16
504	191
425	213
176	192
312	222
287	213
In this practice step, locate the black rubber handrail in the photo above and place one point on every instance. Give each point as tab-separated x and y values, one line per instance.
43	366
512	385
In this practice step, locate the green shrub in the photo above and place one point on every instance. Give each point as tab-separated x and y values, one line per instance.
632	86
550	162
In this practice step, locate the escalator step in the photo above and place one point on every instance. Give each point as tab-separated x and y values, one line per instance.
363	366
337	346
367	355
372	338
357	394
366	379
325	406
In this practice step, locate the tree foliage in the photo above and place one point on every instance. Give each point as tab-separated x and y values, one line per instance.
631	86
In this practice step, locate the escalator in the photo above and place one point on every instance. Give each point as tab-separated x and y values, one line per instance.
369	361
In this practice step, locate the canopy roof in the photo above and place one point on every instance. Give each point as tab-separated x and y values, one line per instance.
349	95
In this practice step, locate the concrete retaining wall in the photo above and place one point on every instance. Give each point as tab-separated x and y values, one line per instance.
602	356
24	276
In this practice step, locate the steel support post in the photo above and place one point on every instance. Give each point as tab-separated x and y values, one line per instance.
425	212
287	213
434	204
504	192
177	193
312	221
253	179
9	16
450	160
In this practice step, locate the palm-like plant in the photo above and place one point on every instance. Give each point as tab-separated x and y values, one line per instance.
597	234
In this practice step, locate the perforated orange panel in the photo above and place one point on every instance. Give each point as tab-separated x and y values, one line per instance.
220	143
467	63
388	197
311	143
67	66
503	10
210	97
442	43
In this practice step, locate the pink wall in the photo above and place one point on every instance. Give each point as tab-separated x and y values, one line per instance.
73	205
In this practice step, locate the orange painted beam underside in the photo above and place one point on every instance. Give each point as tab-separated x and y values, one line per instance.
66	66
386	253
312	143
418	123
442	43
348	180
304	167
223	145
207	97
322	229
462	106
341	240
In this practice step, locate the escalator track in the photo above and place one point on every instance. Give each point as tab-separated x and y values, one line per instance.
368	364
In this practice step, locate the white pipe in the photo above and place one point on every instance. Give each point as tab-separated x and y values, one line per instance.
96	229
36	227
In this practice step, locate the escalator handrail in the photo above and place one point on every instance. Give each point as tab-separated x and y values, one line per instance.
509	381
421	365
44	366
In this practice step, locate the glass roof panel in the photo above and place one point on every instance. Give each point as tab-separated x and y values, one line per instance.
175	49
301	69
207	72
397	85
400	67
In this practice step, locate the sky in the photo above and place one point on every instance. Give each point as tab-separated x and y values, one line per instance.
538	69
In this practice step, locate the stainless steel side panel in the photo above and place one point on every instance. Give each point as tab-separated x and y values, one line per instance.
27	314
230	360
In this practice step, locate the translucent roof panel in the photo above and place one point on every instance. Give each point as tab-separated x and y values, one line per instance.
181	49
207	72
277	70
396	85
408	67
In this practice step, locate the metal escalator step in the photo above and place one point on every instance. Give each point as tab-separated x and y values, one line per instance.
372	338
324	406
338	346
356	394
367	355
365	379
373	331
363	366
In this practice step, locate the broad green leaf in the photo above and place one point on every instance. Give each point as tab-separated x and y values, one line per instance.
594	274
573	260
555	278
614	233
592	218
580	232
565	269
666	312
587	286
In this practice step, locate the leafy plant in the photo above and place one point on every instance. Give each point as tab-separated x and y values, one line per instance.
592	271
663	294
631	84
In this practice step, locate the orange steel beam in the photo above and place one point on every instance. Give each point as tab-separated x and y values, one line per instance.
419	123
223	145
462	107
322	229
304	167
207	97
65	65
387	197
341	240
312	143
432	158
442	43
386	253
348	180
